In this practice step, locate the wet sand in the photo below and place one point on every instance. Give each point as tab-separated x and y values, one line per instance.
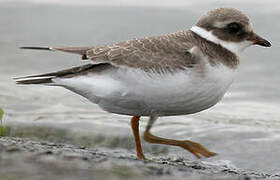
23	158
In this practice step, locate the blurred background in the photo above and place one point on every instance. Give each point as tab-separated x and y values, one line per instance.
243	128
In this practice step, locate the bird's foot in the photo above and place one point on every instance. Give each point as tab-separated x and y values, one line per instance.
195	148
141	156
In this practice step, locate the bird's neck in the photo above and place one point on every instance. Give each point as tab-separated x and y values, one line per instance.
234	47
216	52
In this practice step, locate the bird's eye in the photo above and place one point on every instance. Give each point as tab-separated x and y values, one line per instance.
234	27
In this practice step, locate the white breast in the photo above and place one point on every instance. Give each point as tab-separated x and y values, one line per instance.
134	92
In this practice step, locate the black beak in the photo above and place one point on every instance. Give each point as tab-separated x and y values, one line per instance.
256	39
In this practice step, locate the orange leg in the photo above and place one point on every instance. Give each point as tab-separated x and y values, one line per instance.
134	122
193	147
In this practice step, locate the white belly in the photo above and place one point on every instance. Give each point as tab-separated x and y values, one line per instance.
134	92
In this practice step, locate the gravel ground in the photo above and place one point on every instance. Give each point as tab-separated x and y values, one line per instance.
22	158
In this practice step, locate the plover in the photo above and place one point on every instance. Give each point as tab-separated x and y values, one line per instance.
175	74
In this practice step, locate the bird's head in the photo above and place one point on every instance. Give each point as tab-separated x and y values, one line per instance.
229	28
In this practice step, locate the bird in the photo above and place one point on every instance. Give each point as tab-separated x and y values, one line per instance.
174	74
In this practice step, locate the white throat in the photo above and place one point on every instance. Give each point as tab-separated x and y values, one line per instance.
235	47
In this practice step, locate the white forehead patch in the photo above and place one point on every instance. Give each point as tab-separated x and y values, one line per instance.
222	24
250	27
235	47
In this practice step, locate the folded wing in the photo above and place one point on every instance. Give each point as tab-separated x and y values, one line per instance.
159	54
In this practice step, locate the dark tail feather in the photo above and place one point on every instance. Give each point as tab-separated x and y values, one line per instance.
45	80
47	77
37	48
76	50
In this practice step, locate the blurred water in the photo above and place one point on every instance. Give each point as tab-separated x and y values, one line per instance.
243	128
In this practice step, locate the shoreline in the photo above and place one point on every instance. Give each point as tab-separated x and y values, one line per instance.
28	159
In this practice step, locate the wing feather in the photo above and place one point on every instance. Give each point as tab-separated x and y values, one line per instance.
161	53
165	53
